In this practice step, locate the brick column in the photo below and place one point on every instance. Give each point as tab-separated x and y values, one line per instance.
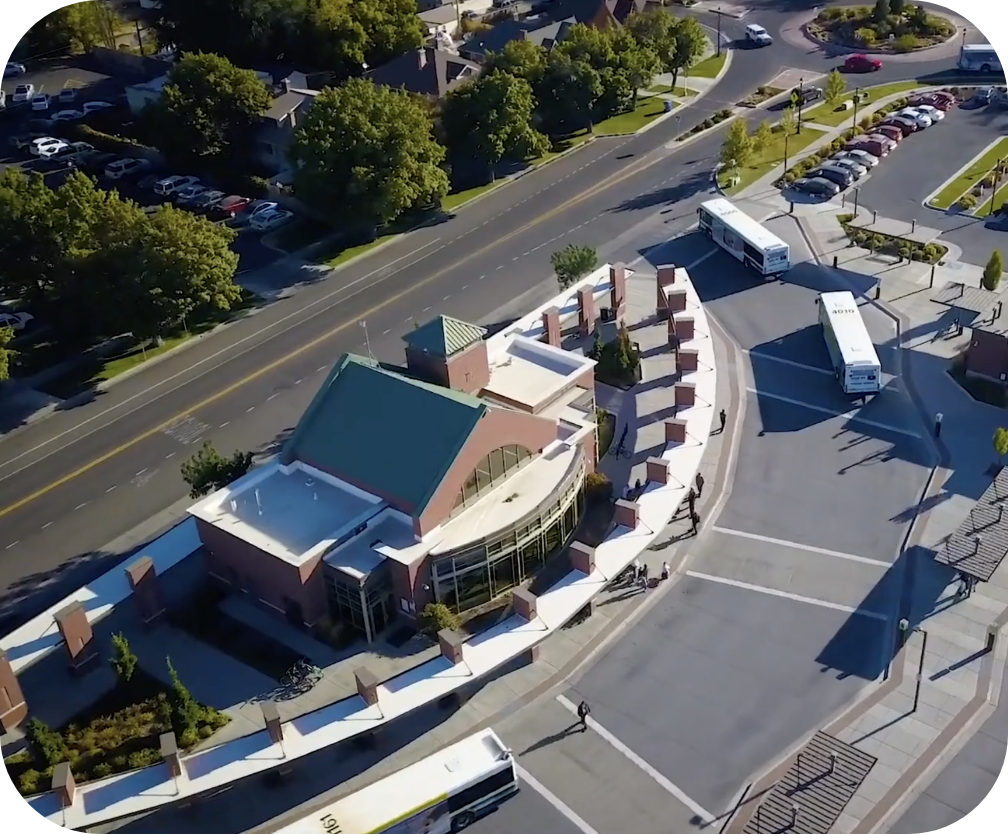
143	579
676	301
13	709
617	295
367	685
63	785
524	602
685	394
272	718
451	645
582	557
627	513
675	430
587	314
77	635
685	327
171	756
551	326
687	360
657	471
666	275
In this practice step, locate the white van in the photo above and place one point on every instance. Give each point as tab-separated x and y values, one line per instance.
758	35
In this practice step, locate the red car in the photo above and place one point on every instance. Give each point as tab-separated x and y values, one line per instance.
862	63
229	207
891	132
907	126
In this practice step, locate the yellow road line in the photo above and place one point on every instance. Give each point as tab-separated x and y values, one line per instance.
613	179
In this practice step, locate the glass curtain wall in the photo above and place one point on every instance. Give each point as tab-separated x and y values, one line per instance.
476	576
489	472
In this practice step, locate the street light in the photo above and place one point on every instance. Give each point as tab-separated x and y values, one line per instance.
718	31
905	632
857	99
801	100
785	150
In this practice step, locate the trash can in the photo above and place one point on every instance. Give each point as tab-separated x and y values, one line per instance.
668	105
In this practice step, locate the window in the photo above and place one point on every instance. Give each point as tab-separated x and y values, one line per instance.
481	790
473	587
489	472
504	573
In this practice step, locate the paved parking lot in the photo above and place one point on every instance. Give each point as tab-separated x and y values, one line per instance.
923	162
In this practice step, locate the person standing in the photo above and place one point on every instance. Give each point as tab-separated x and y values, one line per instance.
699	484
664	571
695	518
583	712
724	418
938	424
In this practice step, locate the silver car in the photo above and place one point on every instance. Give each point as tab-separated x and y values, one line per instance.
852	165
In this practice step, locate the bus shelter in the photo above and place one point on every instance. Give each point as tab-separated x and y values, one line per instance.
977	548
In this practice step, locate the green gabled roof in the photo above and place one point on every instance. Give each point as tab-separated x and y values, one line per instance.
384	431
444	336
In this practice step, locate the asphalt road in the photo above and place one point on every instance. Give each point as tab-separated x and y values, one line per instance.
74	482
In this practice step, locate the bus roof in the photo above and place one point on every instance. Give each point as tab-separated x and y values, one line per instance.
978	47
742	223
856	346
408	790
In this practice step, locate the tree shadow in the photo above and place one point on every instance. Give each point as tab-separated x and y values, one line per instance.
696	182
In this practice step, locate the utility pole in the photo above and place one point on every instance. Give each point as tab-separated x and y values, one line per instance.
718	31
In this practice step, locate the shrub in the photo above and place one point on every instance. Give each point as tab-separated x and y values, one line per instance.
907	43
107	142
47	742
900	103
876	118
598	487
812	160
721	115
437	616
28	784
143	758
101	770
878	241
789	177
119	763
189	738
967	201
865	35
859	237
206	731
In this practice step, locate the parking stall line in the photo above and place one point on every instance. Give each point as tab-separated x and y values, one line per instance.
853	415
774	592
553	799
822	551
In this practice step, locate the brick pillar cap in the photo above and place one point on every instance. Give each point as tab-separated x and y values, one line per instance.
685	383
365	676
67	611
269	711
659	462
622	502
676	421
169	745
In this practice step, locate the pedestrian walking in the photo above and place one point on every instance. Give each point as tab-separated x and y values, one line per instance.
695	518
664	571
691	499
583	712
938	424
699	484
644	576
723	417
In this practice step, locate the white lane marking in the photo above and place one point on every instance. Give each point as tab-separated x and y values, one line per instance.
762	589
221	352
250	409
224	424
110	488
47	524
790	363
169	456
11	545
822	551
854	415
676	792
553	800
138	474
273	396
80	506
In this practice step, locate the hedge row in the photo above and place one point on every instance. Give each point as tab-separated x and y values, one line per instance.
706	124
932	253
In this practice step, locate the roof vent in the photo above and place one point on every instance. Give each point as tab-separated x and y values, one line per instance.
258	502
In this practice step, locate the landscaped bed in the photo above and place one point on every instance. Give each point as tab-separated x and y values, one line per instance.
618	361
765	160
931	253
825	114
761	95
706	124
960	190
119	732
877	28
606	422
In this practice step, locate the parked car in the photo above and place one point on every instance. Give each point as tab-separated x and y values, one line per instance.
46	146
188	195
23	93
867	159
168	186
94	162
921	119
80	148
834	173
983	95
257	208
228	207
940	101
15	321
13	69
68	95
816	186
904	124
932	112
270	220
61	161
757	35
852	165
861	63
20	141
207	200
893	133
40	102
876	146
125	167
806	94
67	116
94	106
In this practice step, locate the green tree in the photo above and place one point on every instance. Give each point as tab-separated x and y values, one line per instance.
208	471
208	109
367	153
1000	441
391	28
836	86
636	61
897	6
572	263
657	29
788	121
123	661
30	242
567	94
6	354
762	137
882	10
737	148
186	711
90	24
491	120
691	43
521	58
993	271
436	616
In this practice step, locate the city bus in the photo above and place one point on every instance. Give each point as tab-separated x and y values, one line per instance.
855	363
443	793
979	57
743	238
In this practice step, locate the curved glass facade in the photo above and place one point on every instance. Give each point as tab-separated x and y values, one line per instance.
473	577
489	472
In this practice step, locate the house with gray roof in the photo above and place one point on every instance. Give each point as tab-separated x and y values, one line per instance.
429	71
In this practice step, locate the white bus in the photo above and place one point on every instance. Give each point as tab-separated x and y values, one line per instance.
979	57
744	238
443	793
855	363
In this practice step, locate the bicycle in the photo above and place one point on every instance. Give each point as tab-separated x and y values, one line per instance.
309	671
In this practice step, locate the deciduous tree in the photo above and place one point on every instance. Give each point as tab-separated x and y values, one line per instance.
522	58
691	42
761	137
788	121
738	145
208	471
657	28
993	271
208	108
367	153
882	10
836	86
595	48
92	23
6	354
897	6
572	263
1000	441
491	120
567	93
123	661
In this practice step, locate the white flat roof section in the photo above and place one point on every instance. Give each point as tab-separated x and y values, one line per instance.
856	345
388	536
736	219
289	512
530	372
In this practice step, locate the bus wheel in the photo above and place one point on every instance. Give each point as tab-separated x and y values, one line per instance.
463	820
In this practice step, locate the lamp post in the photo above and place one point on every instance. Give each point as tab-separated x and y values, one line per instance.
905	632
857	191
857	99
785	150
718	31
801	101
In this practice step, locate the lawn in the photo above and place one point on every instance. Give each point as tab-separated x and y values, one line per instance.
824	114
980	166
764	162
646	110
119	732
710	67
668	89
999	199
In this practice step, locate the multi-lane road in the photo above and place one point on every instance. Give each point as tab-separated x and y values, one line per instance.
77	480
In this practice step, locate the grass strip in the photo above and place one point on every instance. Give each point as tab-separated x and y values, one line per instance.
766	160
646	110
709	67
824	114
964	182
